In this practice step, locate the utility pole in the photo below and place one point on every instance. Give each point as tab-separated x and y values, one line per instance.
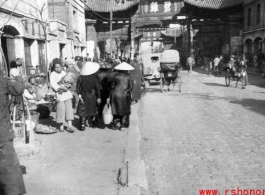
111	18
175	37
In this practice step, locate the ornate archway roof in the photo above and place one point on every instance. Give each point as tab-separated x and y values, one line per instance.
108	5
214	4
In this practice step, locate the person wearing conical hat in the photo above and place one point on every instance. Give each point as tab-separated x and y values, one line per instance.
88	89
104	71
120	96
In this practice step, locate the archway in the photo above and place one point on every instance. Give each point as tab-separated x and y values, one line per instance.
7	46
257	44
248	46
76	46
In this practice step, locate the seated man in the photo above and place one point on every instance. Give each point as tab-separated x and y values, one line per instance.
29	93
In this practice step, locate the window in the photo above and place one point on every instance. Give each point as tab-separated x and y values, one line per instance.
249	17
74	20
258	14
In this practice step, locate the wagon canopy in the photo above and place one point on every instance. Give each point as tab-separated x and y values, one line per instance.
169	56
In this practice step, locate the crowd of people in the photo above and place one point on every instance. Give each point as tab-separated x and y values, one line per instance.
81	86
95	84
214	64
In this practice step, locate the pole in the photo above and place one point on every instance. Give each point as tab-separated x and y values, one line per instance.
175	37
111	18
189	38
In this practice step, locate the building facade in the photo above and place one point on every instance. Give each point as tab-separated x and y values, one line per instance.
68	32
22	35
254	26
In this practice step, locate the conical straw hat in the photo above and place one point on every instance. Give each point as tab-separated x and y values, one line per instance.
124	66
89	68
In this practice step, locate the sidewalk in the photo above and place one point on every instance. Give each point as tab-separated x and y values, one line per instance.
86	162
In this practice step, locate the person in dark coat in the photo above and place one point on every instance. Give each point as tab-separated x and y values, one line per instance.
88	89
120	96
137	78
104	71
11	179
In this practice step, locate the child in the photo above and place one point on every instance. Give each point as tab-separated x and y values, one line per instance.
66	82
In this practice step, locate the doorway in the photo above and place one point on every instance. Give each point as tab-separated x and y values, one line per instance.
4	47
61	50
27	45
42	64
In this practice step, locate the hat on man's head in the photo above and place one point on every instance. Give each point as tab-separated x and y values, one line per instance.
89	68
124	66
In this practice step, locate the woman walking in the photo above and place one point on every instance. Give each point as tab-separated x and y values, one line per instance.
64	110
120	96
137	78
88	89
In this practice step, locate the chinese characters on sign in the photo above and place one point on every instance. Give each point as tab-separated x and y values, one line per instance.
167	6
154	7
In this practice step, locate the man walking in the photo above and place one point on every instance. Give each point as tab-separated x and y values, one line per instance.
190	63
11	180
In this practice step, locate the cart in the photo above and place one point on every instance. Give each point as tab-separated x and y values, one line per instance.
170	69
151	64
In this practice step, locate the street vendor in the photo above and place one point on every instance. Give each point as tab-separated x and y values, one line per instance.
29	94
11	180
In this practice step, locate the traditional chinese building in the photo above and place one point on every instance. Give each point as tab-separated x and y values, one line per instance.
254	26
152	20
98	11
217	26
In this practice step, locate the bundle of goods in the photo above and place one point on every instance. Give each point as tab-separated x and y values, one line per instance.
44	129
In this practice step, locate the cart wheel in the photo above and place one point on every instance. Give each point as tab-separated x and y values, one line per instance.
227	79
161	85
179	84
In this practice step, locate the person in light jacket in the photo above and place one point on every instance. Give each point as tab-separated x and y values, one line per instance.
64	110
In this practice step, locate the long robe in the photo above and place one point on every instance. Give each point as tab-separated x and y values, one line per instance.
122	86
137	80
89	88
104	91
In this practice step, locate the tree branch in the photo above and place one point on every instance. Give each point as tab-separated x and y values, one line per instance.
11	14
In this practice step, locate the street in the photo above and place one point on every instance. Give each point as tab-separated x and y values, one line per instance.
207	137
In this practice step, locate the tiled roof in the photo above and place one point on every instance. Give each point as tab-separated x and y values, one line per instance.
107	5
214	4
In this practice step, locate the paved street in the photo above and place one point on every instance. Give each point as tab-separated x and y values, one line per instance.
80	163
207	137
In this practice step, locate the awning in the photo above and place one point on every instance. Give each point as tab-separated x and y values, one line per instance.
107	5
214	4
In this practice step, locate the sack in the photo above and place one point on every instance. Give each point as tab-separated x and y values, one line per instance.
107	114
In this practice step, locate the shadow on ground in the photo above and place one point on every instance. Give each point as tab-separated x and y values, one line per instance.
215	84
251	104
